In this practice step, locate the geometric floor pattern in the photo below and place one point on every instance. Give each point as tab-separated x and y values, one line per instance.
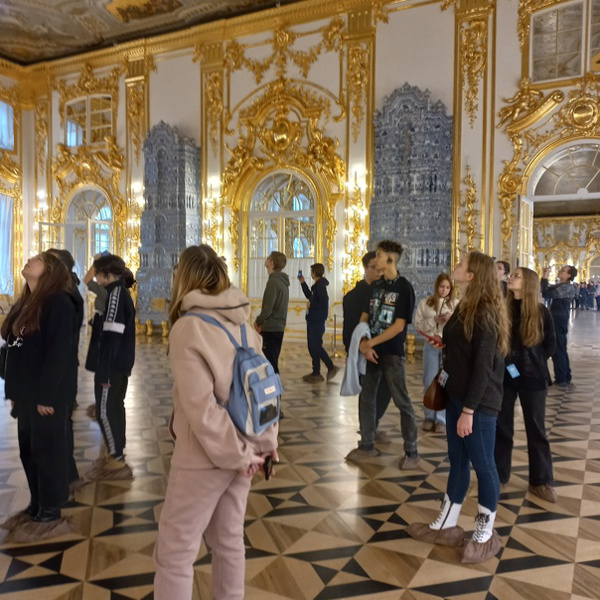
323	529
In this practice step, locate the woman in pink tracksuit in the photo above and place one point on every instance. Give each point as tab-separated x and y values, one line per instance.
212	463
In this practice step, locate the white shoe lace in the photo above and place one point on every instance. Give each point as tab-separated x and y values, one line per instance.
481	523
437	524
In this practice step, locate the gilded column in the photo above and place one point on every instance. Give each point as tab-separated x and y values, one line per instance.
474	76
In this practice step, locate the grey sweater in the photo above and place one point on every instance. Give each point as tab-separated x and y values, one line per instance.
273	314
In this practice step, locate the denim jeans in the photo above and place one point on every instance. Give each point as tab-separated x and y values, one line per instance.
560	358
392	368
476	449
533	403
314	336
432	359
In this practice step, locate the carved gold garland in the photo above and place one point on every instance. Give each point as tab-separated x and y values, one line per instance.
469	217
535	124
41	133
473	58
213	98
358	81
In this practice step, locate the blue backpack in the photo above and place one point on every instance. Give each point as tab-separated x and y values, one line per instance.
253	403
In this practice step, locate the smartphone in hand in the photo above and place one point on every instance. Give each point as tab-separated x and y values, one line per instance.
436	340
268	467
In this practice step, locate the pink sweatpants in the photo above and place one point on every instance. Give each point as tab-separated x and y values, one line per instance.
210	503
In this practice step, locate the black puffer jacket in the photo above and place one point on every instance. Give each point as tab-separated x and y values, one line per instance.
531	361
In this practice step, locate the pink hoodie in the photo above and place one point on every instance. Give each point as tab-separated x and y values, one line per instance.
202	365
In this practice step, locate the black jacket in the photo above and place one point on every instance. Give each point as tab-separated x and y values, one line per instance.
319	301
353	304
475	369
39	367
116	347
531	361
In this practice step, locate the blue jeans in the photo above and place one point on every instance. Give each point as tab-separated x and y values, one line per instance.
560	358
432	359
476	449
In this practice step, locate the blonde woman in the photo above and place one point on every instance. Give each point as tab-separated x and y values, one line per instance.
476	339
212	463
432	314
532	342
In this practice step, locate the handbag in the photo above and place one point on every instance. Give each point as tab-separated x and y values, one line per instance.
435	396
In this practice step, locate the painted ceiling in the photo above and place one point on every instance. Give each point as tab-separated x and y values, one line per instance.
36	30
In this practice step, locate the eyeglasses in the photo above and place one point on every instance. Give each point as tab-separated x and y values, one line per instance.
515	276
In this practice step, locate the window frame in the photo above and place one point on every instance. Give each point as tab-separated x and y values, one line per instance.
9	96
89	128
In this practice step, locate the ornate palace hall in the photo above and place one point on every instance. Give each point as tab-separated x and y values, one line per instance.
324	529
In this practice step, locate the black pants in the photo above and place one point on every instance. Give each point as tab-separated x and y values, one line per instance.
272	341
314	335
110	412
560	358
73	473
538	448
43	446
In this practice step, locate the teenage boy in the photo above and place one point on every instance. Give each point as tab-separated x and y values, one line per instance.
116	355
562	295
316	316
273	315
353	304
388	312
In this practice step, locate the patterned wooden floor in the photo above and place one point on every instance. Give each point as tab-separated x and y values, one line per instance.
324	529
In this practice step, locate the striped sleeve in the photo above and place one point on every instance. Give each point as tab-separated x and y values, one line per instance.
115	318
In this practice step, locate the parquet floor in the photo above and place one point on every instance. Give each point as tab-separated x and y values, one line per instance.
324	529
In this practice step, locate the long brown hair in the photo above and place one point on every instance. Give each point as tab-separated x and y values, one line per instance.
433	299
484	302
531	329
199	268
24	317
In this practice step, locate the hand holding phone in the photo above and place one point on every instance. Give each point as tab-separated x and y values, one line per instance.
268	467
435	339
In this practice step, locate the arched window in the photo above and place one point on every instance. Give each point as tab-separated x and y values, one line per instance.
281	217
102	230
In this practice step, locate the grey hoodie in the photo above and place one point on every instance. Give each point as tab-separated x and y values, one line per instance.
273	315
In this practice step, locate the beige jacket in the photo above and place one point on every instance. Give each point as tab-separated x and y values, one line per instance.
425	317
202	358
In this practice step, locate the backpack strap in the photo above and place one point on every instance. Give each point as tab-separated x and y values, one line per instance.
244	338
214	321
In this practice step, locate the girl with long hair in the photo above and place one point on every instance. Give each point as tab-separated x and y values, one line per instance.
475	341
432	314
115	357
40	330
532	342
212	462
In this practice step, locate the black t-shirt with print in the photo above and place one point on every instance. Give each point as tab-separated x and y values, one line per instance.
390	300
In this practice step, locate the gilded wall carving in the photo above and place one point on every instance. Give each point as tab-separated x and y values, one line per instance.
213	99
567	240
536	124
473	58
41	133
88	84
358	81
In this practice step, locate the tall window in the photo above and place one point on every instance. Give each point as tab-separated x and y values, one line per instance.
88	120
6	238
7	126
102	230
282	217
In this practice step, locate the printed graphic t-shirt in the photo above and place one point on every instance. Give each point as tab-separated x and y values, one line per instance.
390	300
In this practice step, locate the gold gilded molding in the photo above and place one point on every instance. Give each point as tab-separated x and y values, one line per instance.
214	107
468	219
85	166
358	80
11	95
473	57
10	173
282	41
41	133
535	126
355	242
136	100
281	130
88	84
